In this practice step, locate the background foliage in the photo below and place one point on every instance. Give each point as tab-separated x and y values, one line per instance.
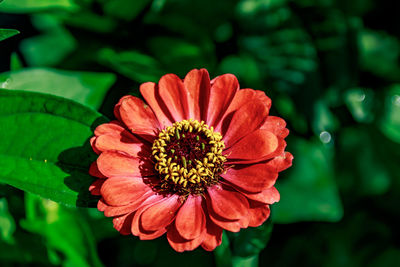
331	68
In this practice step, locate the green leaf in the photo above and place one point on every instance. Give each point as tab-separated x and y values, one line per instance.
362	162
134	65
28	249
360	103
286	107
324	120
309	192
44	147
380	49
29	6
166	256
125	9
101	226
52	46
88	88
7	223
64	230
251	261
390	121
7	33
244	67
222	253
15	62
387	257
283	48
145	253
251	241
184	54
92	22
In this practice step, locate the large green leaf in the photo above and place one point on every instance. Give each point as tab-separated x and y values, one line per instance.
28	6
44	147
7	33
88	88
309	192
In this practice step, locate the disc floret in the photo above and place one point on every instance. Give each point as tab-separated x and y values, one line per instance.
188	157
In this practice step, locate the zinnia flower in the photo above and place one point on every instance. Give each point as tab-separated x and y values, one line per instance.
197	157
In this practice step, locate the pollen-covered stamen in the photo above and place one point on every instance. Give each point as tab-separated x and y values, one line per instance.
188	157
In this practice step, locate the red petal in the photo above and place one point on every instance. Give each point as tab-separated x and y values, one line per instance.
136	227
227	204
252	178
279	151
113	127
112	211
113	164
255	147
123	223
197	83
222	91
94	188
244	121
242	97
94	170
213	236
101	206
275	125
161	214
263	98
232	226
269	157
117	113
282	162
119	143
181	244
119	191
267	196
138	117
152	235
93	144
174	95
190	220
258	215
150	93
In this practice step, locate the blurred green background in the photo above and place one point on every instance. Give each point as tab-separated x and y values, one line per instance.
331	68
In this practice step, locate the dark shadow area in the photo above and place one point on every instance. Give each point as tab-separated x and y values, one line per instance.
76	162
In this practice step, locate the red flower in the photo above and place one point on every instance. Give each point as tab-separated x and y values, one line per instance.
201	156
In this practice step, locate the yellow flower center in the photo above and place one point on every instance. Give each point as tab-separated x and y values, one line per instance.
188	157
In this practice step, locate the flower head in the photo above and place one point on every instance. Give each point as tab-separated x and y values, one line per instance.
197	157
